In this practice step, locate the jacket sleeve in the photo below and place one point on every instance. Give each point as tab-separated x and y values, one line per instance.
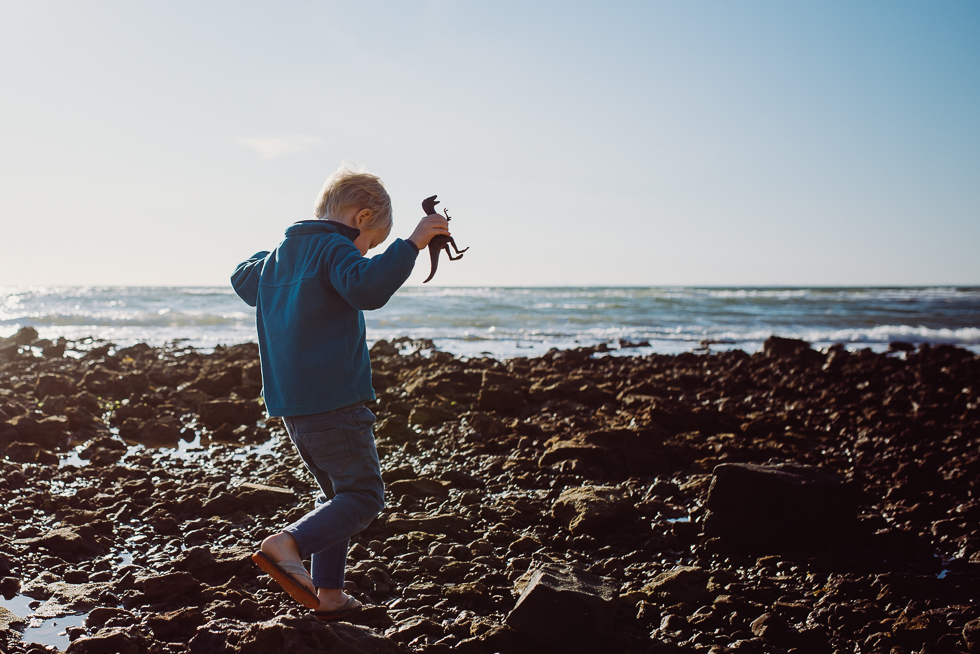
245	279
366	283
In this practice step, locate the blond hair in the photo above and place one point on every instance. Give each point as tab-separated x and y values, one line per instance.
352	186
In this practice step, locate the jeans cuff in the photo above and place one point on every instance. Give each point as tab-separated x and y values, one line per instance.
304	551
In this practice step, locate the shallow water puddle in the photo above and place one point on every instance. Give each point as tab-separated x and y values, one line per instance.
267	448
44	631
52	630
19	605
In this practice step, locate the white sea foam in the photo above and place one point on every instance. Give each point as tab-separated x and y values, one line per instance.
523	321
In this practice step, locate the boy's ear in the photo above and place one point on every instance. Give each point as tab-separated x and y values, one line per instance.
362	216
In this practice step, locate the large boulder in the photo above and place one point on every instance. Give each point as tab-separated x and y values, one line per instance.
564	608
593	509
777	508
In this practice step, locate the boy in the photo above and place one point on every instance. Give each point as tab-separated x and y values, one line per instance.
309	294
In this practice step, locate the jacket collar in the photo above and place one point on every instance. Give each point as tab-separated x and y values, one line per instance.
304	227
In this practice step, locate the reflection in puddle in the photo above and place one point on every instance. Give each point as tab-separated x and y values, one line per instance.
52	630
267	448
19	605
44	631
72	458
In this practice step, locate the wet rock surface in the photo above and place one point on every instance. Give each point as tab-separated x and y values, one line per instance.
788	501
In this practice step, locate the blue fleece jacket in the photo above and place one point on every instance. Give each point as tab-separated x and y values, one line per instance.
309	294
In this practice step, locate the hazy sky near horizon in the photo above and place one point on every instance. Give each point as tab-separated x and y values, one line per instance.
631	143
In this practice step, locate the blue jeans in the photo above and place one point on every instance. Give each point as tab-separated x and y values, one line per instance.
338	449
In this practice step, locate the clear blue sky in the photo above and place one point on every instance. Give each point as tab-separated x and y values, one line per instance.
647	143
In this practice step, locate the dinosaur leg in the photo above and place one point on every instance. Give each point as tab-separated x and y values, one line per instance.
434	260
455	247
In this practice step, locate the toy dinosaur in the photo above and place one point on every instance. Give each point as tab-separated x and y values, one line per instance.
439	242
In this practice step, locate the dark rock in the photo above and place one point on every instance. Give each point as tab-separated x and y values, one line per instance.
436	524
117	640
262	495
100	615
47	432
773	508
233	412
54	385
500	392
419	487
170	585
24	336
9	586
383	349
564	608
65	540
176	625
777	347
591	509
54	405
681	585
288	634
219	383
223	504
30	453
157	432
415	627
971	636
395	428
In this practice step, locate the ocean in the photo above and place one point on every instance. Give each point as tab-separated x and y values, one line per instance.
510	322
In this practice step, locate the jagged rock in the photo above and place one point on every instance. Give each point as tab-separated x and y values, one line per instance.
30	453
288	634
591	509
971	636
100	615
500	392
54	385
177	624
395	428
779	348
436	524
219	383
65	540
419	487
48	432
117	640
233	412
564	608
170	585
682	584
262	495
772	508
24	336
8	619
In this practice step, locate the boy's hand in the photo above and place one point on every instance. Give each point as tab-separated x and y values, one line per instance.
431	225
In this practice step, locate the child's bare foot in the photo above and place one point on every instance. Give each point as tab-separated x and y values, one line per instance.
282	548
335	599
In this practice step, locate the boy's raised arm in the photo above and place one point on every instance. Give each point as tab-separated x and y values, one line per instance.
245	279
368	284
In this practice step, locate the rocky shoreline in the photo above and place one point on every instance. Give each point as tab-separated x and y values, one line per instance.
786	501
